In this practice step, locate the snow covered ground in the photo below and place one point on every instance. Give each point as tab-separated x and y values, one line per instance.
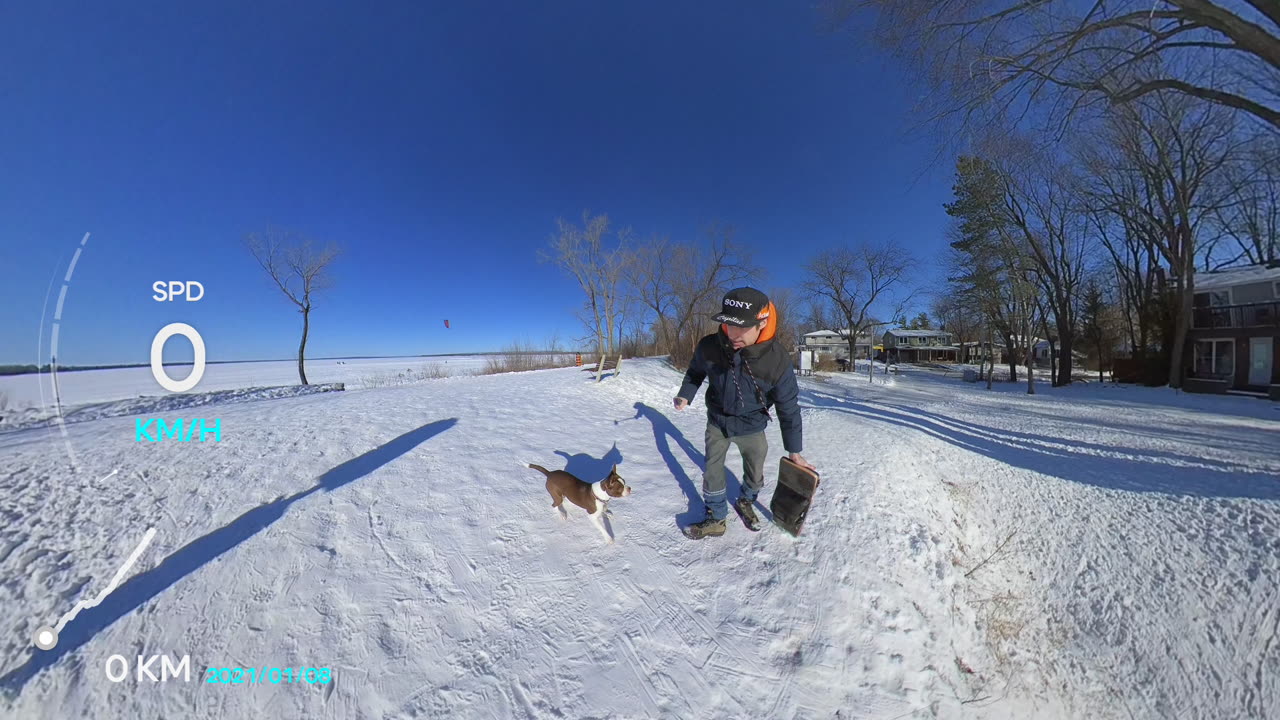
1093	551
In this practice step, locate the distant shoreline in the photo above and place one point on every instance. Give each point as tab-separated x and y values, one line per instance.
7	370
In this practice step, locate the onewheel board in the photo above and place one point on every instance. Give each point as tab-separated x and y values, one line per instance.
792	496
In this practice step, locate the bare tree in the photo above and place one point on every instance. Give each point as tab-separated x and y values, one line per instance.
1114	196
851	281
1040	203
599	268
298	268
1173	150
786	316
1003	56
652	281
817	316
682	285
957	314
1252	219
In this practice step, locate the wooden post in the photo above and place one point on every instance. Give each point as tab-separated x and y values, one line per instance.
617	370
600	370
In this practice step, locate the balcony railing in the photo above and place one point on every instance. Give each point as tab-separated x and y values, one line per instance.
1265	314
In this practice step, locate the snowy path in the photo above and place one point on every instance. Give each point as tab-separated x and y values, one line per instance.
393	535
1145	559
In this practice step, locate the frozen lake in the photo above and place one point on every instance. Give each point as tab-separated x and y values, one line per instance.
94	386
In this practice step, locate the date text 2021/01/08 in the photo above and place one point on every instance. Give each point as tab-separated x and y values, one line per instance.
270	675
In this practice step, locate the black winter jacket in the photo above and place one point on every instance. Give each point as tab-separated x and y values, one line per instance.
735	406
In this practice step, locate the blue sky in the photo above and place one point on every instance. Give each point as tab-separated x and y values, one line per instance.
437	143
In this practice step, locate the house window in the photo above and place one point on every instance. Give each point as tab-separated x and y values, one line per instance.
1215	359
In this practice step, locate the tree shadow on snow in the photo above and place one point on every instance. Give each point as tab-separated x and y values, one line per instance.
196	554
663	430
1075	460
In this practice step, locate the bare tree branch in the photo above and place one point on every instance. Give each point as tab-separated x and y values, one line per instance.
298	269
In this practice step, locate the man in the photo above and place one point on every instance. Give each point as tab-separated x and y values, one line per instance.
747	373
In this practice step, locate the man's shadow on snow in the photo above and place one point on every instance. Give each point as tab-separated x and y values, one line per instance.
663	430
589	469
196	554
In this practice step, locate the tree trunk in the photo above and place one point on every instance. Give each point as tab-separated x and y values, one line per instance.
1099	359
1029	354
302	347
1031	376
1065	365
609	324
1066	336
1053	351
1181	327
992	347
1013	357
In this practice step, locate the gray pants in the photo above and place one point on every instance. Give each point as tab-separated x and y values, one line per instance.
753	448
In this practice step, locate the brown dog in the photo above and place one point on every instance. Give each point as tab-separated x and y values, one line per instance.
592	497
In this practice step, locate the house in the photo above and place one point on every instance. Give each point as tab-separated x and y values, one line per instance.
919	346
1235	332
1042	350
835	344
978	352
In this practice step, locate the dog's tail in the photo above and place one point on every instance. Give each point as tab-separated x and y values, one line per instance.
540	469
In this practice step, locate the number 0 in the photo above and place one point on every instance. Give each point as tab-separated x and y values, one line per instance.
157	356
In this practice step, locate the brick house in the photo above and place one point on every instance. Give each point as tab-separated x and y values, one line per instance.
1235	332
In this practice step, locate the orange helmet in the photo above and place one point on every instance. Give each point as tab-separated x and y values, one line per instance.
769	314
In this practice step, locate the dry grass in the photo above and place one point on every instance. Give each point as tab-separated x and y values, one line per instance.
520	357
825	364
1004	616
404	377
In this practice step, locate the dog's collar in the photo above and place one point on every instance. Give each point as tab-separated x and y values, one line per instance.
598	490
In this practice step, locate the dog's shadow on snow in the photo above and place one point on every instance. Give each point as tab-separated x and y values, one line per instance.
199	552
664	431
588	468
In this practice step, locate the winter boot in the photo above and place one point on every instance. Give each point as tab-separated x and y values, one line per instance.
744	508
707	528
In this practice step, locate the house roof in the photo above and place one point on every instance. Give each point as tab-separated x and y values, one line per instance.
832	333
902	332
1236	276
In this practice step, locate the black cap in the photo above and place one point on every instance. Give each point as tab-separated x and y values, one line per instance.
744	307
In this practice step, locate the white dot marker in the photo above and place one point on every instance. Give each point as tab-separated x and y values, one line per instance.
46	638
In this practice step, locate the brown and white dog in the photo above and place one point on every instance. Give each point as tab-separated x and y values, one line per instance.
592	497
